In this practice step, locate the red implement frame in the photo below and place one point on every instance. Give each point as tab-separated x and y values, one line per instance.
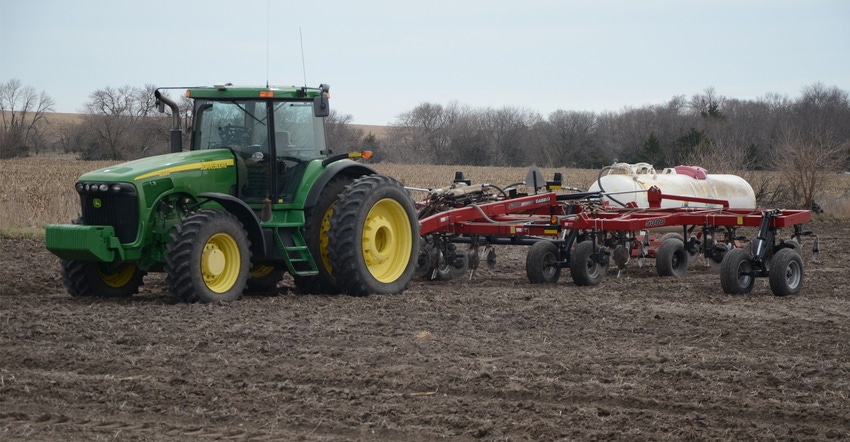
544	215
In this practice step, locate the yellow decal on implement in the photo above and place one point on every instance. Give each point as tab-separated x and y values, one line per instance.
740	220
206	165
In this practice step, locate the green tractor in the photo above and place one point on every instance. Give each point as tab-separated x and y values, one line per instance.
256	195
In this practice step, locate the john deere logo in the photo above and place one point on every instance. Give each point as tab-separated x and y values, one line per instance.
97	203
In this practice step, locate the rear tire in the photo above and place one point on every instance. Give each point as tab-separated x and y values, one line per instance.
208	258
786	272
373	240
98	279
315	233
736	272
672	259
541	263
584	266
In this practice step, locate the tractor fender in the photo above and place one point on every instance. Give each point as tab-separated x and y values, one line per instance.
244	213
349	168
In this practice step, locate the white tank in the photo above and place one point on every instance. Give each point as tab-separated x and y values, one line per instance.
679	180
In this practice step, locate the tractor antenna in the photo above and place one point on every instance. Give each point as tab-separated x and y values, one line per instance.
303	65
268	27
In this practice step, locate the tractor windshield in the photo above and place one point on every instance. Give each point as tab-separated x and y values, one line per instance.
242	126
271	140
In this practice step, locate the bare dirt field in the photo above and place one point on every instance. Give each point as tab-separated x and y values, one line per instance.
637	357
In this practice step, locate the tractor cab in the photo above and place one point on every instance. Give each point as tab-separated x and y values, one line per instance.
272	132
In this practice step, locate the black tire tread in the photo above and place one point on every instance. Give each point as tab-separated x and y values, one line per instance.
732	260
81	280
342	237
671	258
579	269
178	258
324	282
782	259
535	263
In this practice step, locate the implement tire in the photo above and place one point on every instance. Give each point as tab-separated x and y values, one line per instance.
541	263
786	272
671	258
208	258
736	272
103	280
373	241
584	265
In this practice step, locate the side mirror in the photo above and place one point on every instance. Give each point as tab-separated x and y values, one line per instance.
321	108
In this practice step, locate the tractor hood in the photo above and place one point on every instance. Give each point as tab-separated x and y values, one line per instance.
161	166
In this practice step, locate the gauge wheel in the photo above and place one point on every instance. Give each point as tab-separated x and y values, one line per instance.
541	263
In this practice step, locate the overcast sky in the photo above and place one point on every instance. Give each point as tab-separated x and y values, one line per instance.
383	58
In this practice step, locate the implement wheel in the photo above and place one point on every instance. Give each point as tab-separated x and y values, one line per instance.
373	240
541	263
736	272
693	255
786	272
585	267
315	233
672	259
101	279
208	258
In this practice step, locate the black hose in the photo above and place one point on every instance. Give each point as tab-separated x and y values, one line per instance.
599	182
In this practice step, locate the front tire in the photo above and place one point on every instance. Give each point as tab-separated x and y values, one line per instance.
208	258
373	241
98	279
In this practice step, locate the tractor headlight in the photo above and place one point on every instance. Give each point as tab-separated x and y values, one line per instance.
113	188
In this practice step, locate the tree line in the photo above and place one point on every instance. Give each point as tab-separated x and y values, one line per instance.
719	131
804	136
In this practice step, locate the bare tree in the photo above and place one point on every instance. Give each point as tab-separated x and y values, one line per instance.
508	130
805	163
342	137
423	135
123	124
23	113
571	138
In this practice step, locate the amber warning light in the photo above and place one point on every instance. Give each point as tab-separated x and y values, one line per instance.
363	154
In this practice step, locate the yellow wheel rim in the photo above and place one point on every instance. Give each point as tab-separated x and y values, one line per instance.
220	262
120	277
259	271
387	240
323	237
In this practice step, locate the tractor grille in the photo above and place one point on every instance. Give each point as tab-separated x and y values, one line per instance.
121	211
